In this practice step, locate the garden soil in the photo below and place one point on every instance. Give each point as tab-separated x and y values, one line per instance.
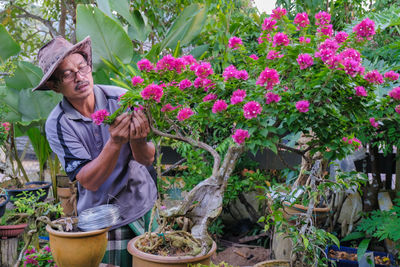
242	256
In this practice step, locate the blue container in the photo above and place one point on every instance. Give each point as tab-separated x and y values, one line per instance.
349	263
16	193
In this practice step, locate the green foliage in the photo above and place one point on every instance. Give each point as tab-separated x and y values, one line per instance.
42	258
216	229
221	264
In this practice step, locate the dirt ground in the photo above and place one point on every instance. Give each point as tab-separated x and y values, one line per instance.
240	256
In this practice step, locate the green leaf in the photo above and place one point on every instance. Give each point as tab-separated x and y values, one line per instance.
8	47
362	248
198	51
25	76
186	26
305	241
353	236
37	105
120	83
108	37
334	239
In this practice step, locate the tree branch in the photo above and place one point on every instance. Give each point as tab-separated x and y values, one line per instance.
47	23
295	150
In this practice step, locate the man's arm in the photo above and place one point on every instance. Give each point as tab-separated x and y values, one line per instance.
142	151
96	172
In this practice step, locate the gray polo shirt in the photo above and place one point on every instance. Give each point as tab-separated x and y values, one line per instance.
77	140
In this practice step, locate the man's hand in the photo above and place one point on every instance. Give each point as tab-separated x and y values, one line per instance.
119	130
140	127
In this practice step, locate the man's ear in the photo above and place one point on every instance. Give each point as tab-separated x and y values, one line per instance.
53	85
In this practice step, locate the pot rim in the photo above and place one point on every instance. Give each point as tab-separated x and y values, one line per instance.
45	185
7	199
134	251
302	208
75	234
13	226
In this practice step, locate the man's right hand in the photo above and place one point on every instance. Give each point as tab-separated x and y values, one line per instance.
119	130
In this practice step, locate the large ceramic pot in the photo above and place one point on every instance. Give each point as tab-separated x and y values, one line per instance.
77	249
290	210
142	259
10	231
31	187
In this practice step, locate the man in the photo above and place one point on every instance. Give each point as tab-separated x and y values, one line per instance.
108	162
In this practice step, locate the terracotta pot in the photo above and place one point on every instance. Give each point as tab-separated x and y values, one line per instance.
10	231
64	195
142	259
273	263
76	249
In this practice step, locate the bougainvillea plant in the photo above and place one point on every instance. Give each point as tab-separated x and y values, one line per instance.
304	79
4	129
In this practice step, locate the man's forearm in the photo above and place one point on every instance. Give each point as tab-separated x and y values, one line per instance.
96	172
143	151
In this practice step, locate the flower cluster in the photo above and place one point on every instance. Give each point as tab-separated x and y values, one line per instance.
42	257
4	130
259	96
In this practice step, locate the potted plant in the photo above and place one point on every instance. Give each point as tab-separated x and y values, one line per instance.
72	247
30	187
304	79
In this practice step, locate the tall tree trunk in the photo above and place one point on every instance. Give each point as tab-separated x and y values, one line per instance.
370	191
63	18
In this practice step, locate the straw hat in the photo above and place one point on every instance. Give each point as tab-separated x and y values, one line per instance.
54	52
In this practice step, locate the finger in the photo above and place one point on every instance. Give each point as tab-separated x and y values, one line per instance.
119	119
123	122
137	127
132	132
144	122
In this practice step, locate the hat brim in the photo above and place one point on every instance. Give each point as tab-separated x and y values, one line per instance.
84	46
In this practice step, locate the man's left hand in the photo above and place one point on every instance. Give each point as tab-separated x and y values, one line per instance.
140	127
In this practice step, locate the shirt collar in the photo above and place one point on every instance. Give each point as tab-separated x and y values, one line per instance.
73	114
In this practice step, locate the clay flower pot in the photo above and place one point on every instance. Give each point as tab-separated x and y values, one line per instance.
10	231
140	258
320	214
76	249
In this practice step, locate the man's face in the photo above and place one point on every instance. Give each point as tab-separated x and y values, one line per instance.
75	78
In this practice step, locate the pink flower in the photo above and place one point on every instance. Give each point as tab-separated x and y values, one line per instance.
326	30
253	56
238	96
374	123
152	91
136	80
184	114
203	70
272	54
139	107
350	53
168	107
271	97
395	93
302	20
322	18
209	97
302	106
6	125
329	44
278	13
189	60
391	75
263	38
240	136
268	78
99	116
229	72
366	29
242	75
184	84
304	40
397	109
145	64
305	61
219	105
205	83
251	109
280	39
235	42
47	248
167	63
374	77
269	24
352	141
341	37
352	67
360	91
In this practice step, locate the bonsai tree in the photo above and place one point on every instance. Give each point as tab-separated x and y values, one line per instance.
304	80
